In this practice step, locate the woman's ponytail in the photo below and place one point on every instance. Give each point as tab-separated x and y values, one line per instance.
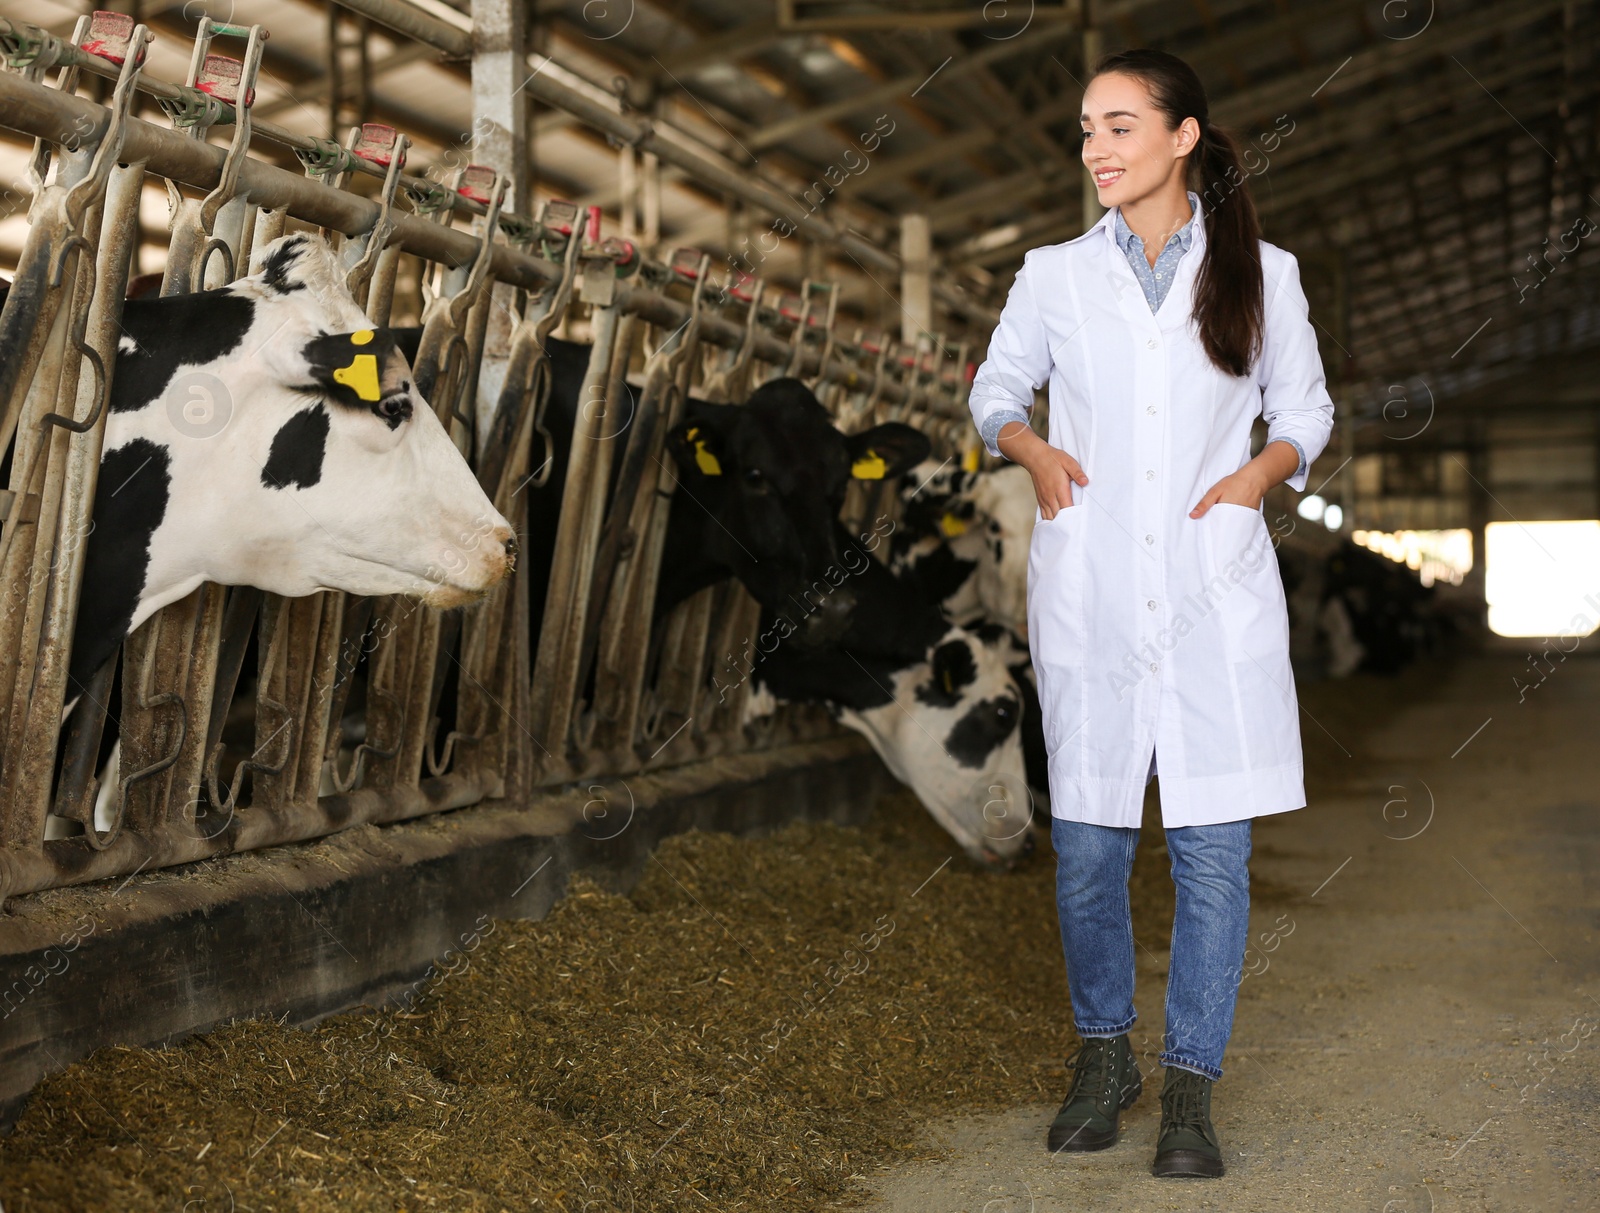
1228	305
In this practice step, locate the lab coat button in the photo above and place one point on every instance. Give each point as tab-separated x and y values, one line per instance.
1149	538
1151	604
1152	343
1149	475
1151	409
1154	667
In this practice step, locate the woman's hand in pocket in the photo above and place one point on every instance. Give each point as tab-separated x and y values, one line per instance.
1053	474
1244	488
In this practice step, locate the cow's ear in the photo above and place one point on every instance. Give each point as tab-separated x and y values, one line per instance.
890	449
696	442
408	341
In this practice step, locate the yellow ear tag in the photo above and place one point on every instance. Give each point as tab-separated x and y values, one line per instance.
869	467
951	525
361	337
704	459
361	376
969	459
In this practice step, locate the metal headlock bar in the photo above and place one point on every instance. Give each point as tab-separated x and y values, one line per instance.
595	690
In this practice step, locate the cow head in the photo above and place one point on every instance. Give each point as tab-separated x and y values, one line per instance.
949	725
772	474
269	434
953	734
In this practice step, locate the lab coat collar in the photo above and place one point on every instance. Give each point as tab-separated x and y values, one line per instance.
1108	224
1183	237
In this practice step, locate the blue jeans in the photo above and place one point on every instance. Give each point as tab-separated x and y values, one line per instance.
1209	933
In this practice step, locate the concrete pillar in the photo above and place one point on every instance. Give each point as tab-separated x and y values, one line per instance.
650	202
916	277
628	190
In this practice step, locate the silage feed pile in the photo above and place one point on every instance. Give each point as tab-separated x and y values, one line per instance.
758	1022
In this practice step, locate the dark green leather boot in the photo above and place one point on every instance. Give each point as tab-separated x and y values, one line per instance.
1105	1080
1187	1147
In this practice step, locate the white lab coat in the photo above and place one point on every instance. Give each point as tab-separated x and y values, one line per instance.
1154	633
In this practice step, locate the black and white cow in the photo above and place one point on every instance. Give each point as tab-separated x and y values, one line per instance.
268	434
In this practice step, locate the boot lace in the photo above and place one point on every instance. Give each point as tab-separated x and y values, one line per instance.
1184	1102
1092	1070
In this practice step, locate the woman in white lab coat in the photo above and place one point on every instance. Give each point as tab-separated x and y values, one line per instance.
1157	618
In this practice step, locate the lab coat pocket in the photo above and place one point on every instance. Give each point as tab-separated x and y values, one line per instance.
1056	633
1255	628
1249	596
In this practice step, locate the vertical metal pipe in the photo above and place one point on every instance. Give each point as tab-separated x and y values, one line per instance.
567	604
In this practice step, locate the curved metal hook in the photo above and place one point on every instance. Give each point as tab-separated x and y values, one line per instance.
827	339
239	146
383	227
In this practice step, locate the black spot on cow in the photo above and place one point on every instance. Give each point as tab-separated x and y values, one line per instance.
130	502
952	670
983	728
172	333
297	451
937	573
275	270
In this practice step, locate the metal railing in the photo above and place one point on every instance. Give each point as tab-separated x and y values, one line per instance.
524	714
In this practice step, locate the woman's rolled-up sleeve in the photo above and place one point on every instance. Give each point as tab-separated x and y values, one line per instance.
1018	362
1294	395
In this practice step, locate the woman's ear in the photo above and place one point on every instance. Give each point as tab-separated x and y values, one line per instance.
1188	136
890	449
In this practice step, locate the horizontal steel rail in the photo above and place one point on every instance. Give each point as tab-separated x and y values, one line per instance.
34	110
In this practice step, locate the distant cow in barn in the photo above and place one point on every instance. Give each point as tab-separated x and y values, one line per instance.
269	434
1376	615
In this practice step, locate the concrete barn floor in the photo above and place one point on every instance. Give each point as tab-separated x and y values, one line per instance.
1423	1036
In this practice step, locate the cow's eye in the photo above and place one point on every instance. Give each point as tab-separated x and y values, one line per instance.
755	477
394	409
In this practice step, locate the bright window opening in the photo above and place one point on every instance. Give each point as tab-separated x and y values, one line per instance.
1542	578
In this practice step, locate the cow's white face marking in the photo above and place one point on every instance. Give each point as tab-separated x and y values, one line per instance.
942	746
286	480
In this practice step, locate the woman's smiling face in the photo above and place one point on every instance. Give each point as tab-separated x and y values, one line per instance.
1127	147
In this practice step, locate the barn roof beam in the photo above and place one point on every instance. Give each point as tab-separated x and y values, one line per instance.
1364	67
893	90
1375	63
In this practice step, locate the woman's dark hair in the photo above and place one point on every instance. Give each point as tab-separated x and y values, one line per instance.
1228	295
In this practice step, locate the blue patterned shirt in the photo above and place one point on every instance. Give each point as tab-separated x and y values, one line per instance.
1155	280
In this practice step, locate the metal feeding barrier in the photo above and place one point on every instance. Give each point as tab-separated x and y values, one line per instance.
596	691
